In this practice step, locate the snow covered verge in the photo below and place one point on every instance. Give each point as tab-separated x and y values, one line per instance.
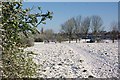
76	60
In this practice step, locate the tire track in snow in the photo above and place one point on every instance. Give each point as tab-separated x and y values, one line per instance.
95	62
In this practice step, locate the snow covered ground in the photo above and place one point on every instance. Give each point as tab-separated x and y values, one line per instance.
73	60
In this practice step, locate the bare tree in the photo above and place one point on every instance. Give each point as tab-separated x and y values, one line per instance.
68	28
42	30
77	24
96	26
114	30
85	26
49	34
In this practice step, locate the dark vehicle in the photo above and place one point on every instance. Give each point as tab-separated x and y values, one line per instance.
91	41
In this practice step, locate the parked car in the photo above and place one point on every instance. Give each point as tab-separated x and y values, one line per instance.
91	40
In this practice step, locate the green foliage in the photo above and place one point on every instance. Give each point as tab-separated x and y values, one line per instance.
18	63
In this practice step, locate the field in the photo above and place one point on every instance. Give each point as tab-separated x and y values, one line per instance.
73	60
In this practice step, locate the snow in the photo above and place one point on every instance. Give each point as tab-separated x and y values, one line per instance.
73	60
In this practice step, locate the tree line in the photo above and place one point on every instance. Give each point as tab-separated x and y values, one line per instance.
77	27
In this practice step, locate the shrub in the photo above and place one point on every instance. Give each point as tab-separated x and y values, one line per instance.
98	39
38	40
59	38
29	42
16	62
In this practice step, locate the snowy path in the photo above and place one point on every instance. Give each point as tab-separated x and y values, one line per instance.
99	65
